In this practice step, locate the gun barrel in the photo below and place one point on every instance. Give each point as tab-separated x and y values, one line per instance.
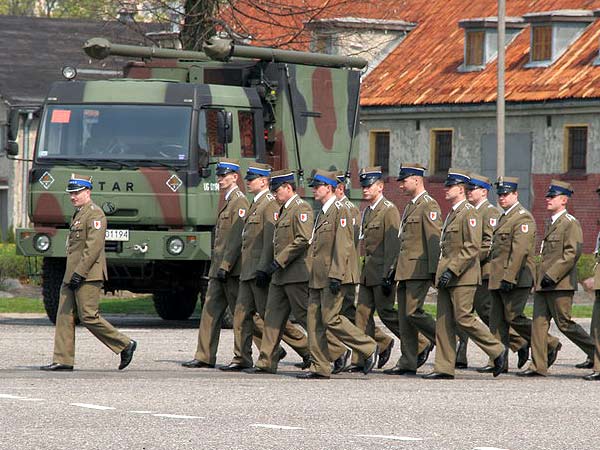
100	48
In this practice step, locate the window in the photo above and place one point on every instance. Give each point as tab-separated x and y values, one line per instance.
442	150
380	150
207	133
324	43
541	44
577	148
246	121
474	48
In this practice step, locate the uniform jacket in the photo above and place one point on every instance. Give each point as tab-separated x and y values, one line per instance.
421	225
381	243
257	236
356	218
513	249
85	244
597	265
290	240
560	251
460	244
228	235
332	251
488	214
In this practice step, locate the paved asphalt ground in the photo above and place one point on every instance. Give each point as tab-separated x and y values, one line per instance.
157	404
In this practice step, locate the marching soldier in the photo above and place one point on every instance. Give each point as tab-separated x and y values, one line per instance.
256	257
330	257
84	275
458	275
415	269
512	271
556	281
477	192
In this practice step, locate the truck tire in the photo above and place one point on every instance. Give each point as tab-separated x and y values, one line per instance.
53	271
175	305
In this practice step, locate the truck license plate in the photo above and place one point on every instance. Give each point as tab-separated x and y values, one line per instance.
117	235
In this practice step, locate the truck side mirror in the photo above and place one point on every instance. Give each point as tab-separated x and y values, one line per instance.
12	148
224	127
13	125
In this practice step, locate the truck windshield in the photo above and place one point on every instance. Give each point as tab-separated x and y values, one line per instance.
143	133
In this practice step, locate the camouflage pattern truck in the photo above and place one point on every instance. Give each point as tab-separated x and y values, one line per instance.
149	141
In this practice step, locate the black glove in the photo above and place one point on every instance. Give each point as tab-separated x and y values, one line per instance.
445	279
547	282
335	286
262	279
391	274
506	286
76	281
386	286
222	275
274	267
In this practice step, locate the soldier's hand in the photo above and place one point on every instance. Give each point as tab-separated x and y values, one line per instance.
506	286
445	279
391	274
262	279
386	286
76	281
335	286
547	282
274	267
222	275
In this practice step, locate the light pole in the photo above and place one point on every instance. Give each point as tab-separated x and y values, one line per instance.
500	107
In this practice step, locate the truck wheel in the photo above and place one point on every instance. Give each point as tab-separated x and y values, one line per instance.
176	305
53	271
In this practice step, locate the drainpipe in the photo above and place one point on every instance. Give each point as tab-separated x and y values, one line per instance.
24	190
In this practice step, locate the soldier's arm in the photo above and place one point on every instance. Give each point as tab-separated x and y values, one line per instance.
302	231
523	234
94	244
343	244
233	247
391	241
471	244
572	246
487	232
432	229
266	257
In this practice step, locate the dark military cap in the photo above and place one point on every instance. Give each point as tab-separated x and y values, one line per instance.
505	185
340	175
322	177
370	175
557	188
79	183
479	181
257	170
227	165
410	169
281	177
456	176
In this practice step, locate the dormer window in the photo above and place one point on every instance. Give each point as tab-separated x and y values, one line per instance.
481	40
552	32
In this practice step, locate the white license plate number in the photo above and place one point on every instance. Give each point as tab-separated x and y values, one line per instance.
117	235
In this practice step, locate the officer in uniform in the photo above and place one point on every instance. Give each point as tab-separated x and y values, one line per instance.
84	276
224	270
256	257
595	326
414	271
331	254
458	275
384	342
556	281
477	192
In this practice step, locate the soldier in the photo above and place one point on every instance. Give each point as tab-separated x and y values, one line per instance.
256	257
223	282
458	275
384	342
415	269
556	281
477	192
84	276
330	257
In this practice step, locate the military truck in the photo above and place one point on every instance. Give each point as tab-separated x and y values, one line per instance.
149	141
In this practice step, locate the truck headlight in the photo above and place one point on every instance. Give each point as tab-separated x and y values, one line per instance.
175	246
41	242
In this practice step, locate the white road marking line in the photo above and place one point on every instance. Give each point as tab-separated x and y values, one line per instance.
142	412
33	399
14	397
275	427
90	406
488	448
177	416
134	330
395	438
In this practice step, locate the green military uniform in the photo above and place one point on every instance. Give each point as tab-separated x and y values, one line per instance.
85	257
595	326
330	257
556	283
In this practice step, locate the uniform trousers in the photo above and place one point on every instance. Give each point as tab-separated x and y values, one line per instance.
556	305
595	331
84	304
323	316
455	311
252	300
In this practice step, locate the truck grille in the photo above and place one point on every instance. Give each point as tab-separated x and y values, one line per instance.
113	246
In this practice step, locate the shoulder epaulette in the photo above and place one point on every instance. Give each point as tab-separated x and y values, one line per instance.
522	211
349	204
469	206
427	197
570	217
388	204
239	193
338	204
270	196
490	206
299	201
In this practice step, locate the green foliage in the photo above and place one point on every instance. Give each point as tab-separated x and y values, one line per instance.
585	267
17	7
11	264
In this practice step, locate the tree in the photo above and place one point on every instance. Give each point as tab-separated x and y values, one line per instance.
17	7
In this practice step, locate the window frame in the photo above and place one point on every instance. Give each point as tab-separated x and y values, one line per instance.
469	39
434	170
540	50
373	149
568	150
